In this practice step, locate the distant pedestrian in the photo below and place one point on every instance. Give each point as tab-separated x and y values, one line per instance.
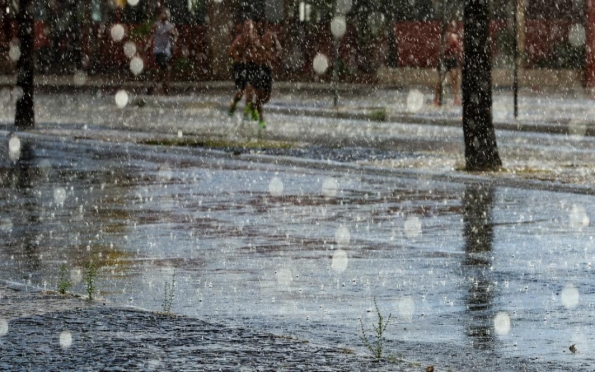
268	51
164	35
453	59
242	65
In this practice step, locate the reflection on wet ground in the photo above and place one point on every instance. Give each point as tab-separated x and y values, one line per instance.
470	273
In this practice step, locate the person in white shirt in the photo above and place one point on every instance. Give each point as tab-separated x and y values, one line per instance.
164	36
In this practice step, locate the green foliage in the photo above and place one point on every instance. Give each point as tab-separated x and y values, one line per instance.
375	343
142	31
64	283
89	277
378	115
563	56
505	42
169	291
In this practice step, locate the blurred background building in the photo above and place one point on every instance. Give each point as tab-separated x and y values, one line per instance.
73	35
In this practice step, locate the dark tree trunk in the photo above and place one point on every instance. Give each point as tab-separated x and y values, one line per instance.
25	115
481	150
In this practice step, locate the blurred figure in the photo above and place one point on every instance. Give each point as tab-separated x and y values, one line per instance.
268	52
164	35
453	58
241	51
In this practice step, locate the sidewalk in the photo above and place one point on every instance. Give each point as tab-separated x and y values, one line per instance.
52	332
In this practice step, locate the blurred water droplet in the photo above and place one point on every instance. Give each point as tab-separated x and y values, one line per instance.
121	98
320	63
137	65
415	100
342	236
6	225
578	217
14	52
502	323
576	35
129	49
14	148
117	32
276	186
3	327
412	227
338	26
339	261
65	339
406	308
79	78
59	195
330	187
284	277
570	296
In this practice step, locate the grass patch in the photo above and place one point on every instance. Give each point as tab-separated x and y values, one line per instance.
219	143
378	115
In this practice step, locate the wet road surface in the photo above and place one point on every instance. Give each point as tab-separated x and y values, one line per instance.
474	276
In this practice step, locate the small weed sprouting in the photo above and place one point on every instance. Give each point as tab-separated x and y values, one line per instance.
90	276
375	343
64	283
169	294
378	115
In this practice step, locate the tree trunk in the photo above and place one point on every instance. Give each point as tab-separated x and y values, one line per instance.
25	115
481	150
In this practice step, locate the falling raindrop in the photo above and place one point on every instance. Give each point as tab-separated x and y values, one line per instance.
17	93
5	225
136	65
330	187
65	339
79	78
502	324
276	186
406	308
129	49
415	100
117	32
59	195
412	227
570	296
578	217
14	148
338	26
121	98
284	277
339	261
342	236
344	6
577	129
165	173
14	52
576	35
320	63
3	327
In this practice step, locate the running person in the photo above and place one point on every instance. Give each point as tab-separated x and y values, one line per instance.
453	56
268	51
164	35
238	53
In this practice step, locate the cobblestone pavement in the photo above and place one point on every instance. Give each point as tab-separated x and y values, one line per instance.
52	332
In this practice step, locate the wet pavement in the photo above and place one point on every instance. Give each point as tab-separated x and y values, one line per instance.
478	271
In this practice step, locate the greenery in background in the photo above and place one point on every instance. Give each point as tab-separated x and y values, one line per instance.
169	294
184	66
64	283
89	277
564	56
375	343
142	31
